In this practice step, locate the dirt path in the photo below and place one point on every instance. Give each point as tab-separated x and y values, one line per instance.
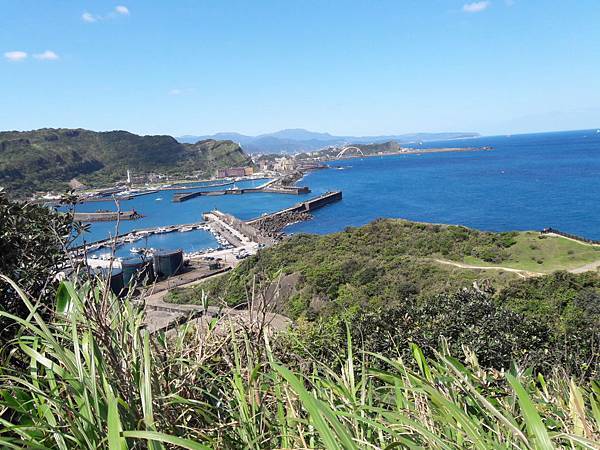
519	272
593	266
571	239
586	268
161	315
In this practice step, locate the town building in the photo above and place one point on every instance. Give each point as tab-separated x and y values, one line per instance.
235	172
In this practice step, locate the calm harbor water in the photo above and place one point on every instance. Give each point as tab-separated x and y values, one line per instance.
158	209
527	182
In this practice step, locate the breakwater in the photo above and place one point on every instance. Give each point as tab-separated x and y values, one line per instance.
243	229
266	229
271	225
306	206
106	216
290	190
180	186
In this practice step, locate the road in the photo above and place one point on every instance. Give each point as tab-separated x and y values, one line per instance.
161	315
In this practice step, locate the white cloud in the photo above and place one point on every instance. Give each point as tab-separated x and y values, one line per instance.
476	7
15	55
48	55
119	10
175	92
88	17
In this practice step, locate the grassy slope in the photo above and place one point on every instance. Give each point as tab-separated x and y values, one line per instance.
377	263
536	253
391	259
48	158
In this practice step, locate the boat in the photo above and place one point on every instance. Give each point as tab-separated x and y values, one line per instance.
136	250
158	199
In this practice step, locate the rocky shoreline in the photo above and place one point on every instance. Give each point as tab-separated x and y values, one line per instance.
272	226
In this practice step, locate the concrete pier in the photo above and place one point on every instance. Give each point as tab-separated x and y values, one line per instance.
290	190
106	216
307	206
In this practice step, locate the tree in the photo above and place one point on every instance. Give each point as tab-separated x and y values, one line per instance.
33	242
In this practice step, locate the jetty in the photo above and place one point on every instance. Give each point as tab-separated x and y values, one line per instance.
269	189
306	206
106	216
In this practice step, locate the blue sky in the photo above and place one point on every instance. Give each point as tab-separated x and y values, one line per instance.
346	67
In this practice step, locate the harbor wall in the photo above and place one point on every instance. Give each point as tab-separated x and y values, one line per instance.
294	190
306	206
107	216
243	227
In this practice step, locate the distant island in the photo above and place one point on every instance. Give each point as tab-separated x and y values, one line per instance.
300	140
52	159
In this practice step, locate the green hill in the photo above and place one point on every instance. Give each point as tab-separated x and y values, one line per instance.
398	282
48	159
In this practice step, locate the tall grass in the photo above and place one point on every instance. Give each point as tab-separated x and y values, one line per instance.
94	378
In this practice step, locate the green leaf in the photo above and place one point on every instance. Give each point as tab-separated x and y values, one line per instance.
334	437
63	300
166	438
115	440
535	426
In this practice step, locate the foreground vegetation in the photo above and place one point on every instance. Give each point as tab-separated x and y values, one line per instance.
384	279
48	159
32	250
411	356
93	378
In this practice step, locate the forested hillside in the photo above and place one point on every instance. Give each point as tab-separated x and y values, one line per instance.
49	158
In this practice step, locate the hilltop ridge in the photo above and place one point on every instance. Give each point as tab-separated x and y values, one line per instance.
49	158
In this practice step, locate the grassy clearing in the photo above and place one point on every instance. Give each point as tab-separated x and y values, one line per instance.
537	253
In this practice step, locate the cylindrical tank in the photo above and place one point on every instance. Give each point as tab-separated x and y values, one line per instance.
167	263
114	278
137	270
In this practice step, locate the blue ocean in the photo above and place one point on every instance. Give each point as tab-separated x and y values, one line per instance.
527	182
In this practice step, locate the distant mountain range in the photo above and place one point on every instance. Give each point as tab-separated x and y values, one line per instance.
298	140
